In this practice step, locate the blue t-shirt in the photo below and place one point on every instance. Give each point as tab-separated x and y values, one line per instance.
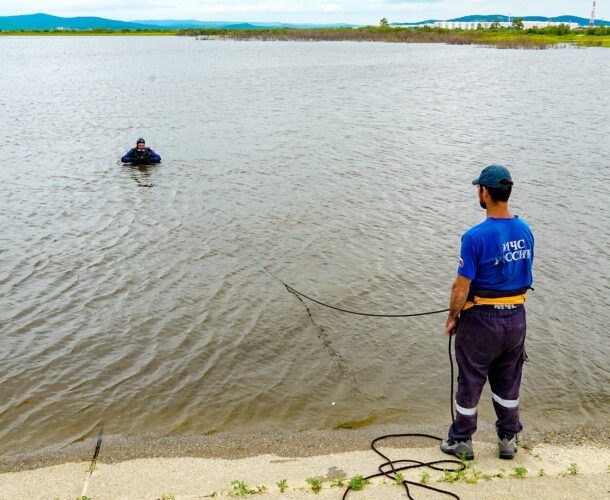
498	255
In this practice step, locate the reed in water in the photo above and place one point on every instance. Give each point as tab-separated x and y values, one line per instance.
501	38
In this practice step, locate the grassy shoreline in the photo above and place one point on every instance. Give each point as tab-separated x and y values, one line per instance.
500	38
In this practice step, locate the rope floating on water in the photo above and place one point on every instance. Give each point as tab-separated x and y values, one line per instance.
348	311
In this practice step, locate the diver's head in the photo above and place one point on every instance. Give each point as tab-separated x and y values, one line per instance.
141	143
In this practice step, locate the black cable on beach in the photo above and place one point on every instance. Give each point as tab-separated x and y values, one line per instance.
390	468
96	454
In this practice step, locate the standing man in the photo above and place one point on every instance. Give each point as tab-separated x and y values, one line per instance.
487	316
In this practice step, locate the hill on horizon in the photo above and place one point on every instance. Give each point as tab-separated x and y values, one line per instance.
40	21
581	21
192	23
47	22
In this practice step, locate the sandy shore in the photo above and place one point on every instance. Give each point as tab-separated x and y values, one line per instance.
193	467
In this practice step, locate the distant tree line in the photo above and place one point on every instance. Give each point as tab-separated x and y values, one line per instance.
514	36
562	29
498	37
598	31
366	34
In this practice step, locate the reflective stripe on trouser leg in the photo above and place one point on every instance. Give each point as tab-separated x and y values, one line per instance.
467	412
506	403
465	423
507	411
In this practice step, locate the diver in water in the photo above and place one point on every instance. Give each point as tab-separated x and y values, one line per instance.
141	155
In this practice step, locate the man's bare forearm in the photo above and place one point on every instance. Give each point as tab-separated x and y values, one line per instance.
459	294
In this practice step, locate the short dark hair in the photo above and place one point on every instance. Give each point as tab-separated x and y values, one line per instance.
499	194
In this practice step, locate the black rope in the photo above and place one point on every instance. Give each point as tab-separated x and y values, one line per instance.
389	468
323	336
451	369
96	453
340	309
98	446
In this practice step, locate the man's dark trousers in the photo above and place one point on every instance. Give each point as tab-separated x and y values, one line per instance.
489	343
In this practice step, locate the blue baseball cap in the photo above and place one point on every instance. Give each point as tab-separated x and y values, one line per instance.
494	176
140	140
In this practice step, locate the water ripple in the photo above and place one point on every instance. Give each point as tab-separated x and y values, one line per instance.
135	296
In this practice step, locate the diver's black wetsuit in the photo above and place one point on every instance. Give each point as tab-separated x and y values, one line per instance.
141	156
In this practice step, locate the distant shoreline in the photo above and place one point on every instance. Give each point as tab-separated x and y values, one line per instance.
495	37
500	38
90	33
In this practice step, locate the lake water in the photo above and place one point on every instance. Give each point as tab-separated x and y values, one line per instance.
137	297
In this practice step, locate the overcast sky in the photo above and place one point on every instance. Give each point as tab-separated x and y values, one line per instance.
315	11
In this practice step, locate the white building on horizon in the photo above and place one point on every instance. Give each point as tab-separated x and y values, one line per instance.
473	25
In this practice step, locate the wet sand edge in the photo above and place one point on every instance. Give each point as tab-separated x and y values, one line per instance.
309	443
